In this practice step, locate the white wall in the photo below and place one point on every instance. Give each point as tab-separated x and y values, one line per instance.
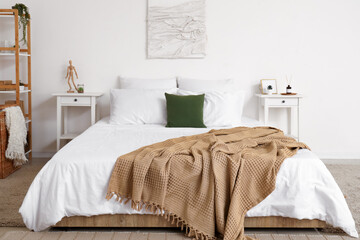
318	41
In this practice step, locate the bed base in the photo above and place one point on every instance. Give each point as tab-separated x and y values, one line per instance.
152	221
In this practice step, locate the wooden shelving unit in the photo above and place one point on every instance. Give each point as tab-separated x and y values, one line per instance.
17	53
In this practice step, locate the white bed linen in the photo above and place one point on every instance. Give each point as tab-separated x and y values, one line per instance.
74	181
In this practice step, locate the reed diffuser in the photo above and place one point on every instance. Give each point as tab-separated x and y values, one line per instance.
288	82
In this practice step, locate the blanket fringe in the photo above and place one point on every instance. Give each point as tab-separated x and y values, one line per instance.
159	210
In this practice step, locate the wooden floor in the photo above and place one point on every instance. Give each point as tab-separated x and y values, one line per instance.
18	235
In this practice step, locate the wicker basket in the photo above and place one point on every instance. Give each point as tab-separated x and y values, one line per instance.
6	166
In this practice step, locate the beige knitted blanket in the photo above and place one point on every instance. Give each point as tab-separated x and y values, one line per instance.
205	183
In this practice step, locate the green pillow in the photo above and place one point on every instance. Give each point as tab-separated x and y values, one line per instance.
185	111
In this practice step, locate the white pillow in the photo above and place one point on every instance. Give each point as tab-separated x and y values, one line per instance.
142	83
196	85
138	106
221	108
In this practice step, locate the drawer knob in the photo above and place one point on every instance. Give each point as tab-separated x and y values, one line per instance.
283	101
75	100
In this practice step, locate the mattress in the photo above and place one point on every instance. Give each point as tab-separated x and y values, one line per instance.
74	182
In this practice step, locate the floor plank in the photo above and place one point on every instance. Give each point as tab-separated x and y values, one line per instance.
346	237
262	236
68	236
85	235
281	236
250	235
34	236
103	236
316	237
139	236
157	236
333	237
14	235
176	236
51	235
298	237
121	236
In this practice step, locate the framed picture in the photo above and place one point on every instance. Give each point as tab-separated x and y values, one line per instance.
176	29
268	86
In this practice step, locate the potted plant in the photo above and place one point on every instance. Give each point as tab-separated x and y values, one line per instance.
24	18
22	86
270	90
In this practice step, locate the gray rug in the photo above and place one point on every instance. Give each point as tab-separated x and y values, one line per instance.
348	179
13	190
16	185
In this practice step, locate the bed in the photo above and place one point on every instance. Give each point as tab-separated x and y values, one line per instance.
70	190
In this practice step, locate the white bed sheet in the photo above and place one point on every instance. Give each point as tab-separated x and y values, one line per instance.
74	181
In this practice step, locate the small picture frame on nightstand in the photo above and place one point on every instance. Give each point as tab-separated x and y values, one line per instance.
268	86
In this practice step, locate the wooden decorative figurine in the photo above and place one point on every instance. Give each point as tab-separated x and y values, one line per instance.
70	75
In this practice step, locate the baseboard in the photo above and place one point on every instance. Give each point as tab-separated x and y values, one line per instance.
43	154
341	161
336	156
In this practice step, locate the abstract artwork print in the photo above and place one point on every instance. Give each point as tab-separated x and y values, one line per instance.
176	29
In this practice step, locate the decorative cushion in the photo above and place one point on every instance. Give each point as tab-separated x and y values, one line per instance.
185	111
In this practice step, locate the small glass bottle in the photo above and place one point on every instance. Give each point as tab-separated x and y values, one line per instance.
80	88
288	89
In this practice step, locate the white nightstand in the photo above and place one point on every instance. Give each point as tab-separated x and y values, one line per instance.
292	102
65	100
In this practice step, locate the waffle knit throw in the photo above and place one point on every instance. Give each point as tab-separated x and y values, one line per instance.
15	124
204	183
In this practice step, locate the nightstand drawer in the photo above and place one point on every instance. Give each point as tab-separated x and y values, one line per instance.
75	100
281	101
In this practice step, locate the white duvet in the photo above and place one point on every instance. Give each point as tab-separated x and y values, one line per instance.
74	181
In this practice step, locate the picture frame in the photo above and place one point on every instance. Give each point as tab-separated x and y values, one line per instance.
265	83
176	29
